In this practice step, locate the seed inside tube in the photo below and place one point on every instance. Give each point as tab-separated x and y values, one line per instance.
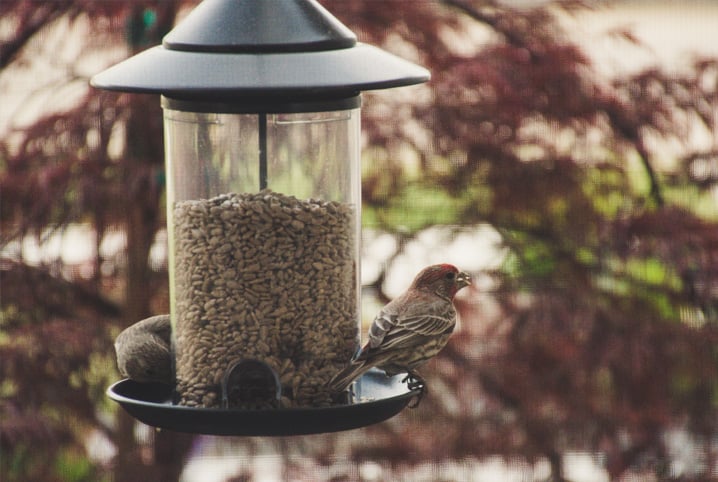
261	276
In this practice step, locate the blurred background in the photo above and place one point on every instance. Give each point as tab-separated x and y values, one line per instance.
565	153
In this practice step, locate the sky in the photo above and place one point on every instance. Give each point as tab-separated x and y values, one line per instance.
672	32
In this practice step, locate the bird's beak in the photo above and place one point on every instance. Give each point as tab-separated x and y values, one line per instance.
463	279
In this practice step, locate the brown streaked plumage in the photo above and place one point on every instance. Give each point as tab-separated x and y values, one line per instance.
411	328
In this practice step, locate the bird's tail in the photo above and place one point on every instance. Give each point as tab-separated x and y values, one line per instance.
344	378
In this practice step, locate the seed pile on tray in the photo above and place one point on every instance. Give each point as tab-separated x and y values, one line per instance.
263	276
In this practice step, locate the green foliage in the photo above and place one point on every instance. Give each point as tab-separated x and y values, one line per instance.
415	206
75	467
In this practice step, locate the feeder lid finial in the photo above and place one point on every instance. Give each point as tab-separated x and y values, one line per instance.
266	26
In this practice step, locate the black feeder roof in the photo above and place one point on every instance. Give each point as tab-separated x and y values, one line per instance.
235	49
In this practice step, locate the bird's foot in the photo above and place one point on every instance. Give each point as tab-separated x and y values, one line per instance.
415	383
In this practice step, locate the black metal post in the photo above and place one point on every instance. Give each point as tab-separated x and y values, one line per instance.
262	151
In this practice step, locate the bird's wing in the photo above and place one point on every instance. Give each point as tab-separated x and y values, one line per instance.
409	308
411	331
382	324
396	332
430	324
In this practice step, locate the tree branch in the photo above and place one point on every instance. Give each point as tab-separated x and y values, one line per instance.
33	16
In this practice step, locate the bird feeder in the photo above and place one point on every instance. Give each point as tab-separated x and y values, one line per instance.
261	106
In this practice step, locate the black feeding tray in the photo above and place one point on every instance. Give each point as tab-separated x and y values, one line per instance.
378	398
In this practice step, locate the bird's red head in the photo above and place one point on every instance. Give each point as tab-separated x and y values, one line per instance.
443	279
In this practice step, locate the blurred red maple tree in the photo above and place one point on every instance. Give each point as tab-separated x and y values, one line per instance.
604	333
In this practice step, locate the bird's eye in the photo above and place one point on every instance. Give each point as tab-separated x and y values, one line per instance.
450	275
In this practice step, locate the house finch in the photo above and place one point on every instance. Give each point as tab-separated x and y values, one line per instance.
410	329
143	350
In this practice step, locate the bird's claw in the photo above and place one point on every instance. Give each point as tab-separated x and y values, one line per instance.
415	383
